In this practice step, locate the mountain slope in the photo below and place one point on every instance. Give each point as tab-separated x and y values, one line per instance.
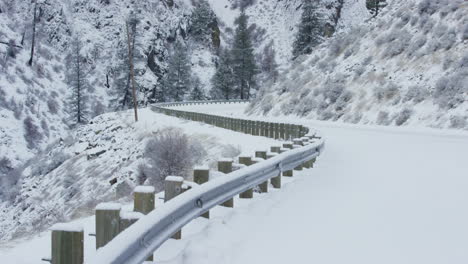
407	67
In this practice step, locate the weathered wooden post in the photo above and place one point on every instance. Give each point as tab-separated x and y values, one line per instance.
275	149
201	175
277	130
275	181
288	145
129	218
282	131
107	223
144	197
225	166
271	130
298	141
247	161
257	128
298	167
172	188
262	155
67	244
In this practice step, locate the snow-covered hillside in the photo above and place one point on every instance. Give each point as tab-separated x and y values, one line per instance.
409	66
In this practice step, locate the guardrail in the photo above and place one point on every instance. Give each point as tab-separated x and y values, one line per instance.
138	241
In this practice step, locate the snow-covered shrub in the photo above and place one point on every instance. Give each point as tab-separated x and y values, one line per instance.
359	70
52	105
428	6
416	94
170	152
403	116
449	91
8	179
416	45
464	32
383	118
463	64
459	122
398	42
267	104
386	93
326	115
32	135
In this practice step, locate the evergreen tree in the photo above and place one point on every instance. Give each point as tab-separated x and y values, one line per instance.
223	81
310	32
77	80
375	6
197	93
243	59
269	66
203	19
177	79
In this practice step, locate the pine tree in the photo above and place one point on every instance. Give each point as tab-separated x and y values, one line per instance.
197	93
310	32
375	6
203	19
223	81
269	66
177	79
77	80
243	59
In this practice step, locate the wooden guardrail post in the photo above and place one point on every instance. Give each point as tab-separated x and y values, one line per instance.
262	154
247	161
288	145
67	244
271	130
275	149
201	175
275	181
143	199
277	130
172	188
225	166
282	128
298	167
107	223
129	218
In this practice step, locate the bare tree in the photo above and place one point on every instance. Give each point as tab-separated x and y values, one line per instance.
131	44
33	43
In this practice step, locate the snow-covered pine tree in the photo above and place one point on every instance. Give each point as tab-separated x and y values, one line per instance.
202	20
223	81
243	59
179	72
375	6
269	66
76	77
197	93
310	29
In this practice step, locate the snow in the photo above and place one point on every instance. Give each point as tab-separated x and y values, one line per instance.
144	189
108	206
130	215
225	160
174	178
376	195
67	227
201	168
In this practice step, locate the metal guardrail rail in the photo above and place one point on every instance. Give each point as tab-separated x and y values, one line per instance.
140	240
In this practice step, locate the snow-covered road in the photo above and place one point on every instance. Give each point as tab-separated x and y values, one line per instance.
377	195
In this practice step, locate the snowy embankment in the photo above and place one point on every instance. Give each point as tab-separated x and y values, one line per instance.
377	195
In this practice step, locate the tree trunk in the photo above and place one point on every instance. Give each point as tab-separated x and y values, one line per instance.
132	73
33	44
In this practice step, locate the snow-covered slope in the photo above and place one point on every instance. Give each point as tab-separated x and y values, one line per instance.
407	67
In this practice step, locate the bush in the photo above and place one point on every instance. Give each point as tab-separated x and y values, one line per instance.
171	152
458	122
32	135
400	40
383	118
464	32
416	94
53	106
403	116
449	91
386	93
416	45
